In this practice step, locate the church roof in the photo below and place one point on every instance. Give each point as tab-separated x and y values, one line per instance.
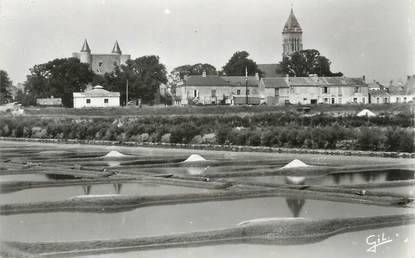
270	70
116	49
292	24
85	47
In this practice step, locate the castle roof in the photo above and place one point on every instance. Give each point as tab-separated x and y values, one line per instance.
116	49
85	47
292	24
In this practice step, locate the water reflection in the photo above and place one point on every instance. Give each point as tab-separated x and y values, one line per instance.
295	204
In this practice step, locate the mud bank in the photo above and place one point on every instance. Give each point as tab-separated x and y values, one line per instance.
118	203
261	231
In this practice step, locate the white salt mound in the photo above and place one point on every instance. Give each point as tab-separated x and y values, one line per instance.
194	157
295	164
114	154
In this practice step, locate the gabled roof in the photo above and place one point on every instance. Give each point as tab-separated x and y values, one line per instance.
241	80
325	81
292	24
270	70
116	49
85	47
277	82
209	80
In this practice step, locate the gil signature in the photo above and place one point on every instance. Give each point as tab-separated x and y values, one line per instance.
374	241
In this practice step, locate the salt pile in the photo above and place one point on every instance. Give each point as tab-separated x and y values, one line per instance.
114	154
194	157
295	164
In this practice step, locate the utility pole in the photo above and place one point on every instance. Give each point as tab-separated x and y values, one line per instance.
126	94
246	85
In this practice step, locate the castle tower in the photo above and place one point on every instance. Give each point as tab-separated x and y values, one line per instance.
292	36
85	54
116	49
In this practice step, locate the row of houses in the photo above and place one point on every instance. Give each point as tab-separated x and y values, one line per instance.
207	89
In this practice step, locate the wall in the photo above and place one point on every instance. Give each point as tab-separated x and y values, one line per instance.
80	102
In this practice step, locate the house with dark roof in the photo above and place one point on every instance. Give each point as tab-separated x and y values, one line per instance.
403	93
212	89
314	90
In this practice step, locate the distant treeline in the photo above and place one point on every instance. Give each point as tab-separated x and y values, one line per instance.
382	133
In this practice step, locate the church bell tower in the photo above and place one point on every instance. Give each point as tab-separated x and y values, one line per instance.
292	36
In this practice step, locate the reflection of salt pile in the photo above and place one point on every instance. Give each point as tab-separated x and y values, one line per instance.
114	154
194	158
295	179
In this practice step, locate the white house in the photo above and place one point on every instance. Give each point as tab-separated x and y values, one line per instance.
96	97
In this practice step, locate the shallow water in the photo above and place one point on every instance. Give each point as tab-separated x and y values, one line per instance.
159	220
65	192
335	179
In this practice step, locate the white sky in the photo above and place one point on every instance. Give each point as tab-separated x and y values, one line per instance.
360	37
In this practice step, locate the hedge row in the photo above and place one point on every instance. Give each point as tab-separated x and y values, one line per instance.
389	133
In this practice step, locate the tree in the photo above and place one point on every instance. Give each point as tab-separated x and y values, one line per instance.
5	85
144	75
239	63
58	78
305	62
196	69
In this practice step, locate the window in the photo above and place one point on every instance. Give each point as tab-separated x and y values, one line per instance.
404	99
195	93
213	93
276	92
377	100
333	100
385	100
356	89
325	90
106	101
238	92
326	100
354	100
88	101
398	99
247	92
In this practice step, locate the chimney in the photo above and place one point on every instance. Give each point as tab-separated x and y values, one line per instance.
257	76
364	78
204	74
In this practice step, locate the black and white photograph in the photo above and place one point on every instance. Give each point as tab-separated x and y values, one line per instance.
195	128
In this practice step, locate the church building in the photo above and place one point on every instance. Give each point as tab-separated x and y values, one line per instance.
101	63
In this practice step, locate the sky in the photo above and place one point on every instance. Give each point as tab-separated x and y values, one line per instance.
375	38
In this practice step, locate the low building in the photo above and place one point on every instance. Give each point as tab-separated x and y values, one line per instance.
212	89
96	97
49	102
403	93
314	90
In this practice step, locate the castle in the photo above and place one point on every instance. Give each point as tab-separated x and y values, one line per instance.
101	63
